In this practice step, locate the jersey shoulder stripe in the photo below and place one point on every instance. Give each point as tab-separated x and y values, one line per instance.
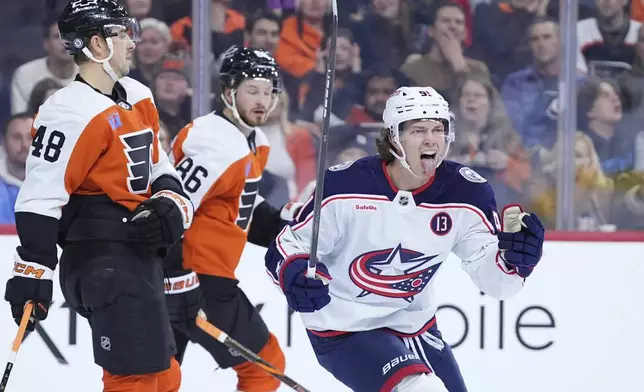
215	140
136	91
77	100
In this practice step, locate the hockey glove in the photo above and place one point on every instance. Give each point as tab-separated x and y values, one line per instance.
29	282
162	219
183	298
521	240
303	294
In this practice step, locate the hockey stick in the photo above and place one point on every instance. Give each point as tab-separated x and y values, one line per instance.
29	307
319	177
221	336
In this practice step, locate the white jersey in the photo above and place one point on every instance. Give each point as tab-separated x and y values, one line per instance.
221	169
383	246
87	143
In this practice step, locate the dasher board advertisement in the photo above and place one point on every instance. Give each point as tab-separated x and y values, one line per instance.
576	326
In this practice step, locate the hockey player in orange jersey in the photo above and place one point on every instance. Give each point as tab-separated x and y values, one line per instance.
99	184
220	158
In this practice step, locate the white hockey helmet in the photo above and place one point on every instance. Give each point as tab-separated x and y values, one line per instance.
416	103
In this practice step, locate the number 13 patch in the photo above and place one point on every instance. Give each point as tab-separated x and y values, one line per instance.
441	224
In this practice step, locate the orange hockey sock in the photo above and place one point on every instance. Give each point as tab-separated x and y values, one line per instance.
166	381
169	380
251	378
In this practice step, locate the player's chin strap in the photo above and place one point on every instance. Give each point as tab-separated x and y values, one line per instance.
403	159
106	61
233	108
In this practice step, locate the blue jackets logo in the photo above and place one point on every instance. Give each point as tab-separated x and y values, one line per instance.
394	272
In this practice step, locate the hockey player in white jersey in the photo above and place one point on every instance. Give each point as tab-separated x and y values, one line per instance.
387	224
99	185
221	157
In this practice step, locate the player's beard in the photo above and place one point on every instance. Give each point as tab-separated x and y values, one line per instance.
254	119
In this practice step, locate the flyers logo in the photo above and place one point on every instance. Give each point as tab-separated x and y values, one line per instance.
138	150
28	270
247	202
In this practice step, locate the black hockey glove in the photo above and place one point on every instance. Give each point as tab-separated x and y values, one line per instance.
29	282
183	298
162	219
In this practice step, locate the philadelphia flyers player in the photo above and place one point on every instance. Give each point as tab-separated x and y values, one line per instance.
99	185
220	157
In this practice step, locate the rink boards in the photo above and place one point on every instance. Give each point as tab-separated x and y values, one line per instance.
576	326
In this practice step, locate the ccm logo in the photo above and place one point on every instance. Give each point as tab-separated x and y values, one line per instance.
366	207
178	285
397	361
28	270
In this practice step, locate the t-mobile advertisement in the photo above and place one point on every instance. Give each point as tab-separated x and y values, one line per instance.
575	326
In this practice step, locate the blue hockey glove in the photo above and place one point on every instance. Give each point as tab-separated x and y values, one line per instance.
303	294
521	240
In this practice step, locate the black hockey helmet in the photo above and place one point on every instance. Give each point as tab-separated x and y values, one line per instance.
240	63
82	19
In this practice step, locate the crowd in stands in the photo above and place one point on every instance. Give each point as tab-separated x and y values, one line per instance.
496	62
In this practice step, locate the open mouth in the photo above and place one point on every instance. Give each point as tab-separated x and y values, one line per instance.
428	155
258	112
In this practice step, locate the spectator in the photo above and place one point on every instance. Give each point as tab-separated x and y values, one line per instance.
227	29
637	10
139	9
300	40
591	202
280	7
599	116
628	207
347	77
486	141
385	33
504	50
57	65
531	95
42	90
171	88
292	160
378	83
154	46
351	146
606	43
263	32
632	84
421	17
445	65
13	155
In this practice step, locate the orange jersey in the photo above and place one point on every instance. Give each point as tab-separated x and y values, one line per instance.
220	169
85	143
